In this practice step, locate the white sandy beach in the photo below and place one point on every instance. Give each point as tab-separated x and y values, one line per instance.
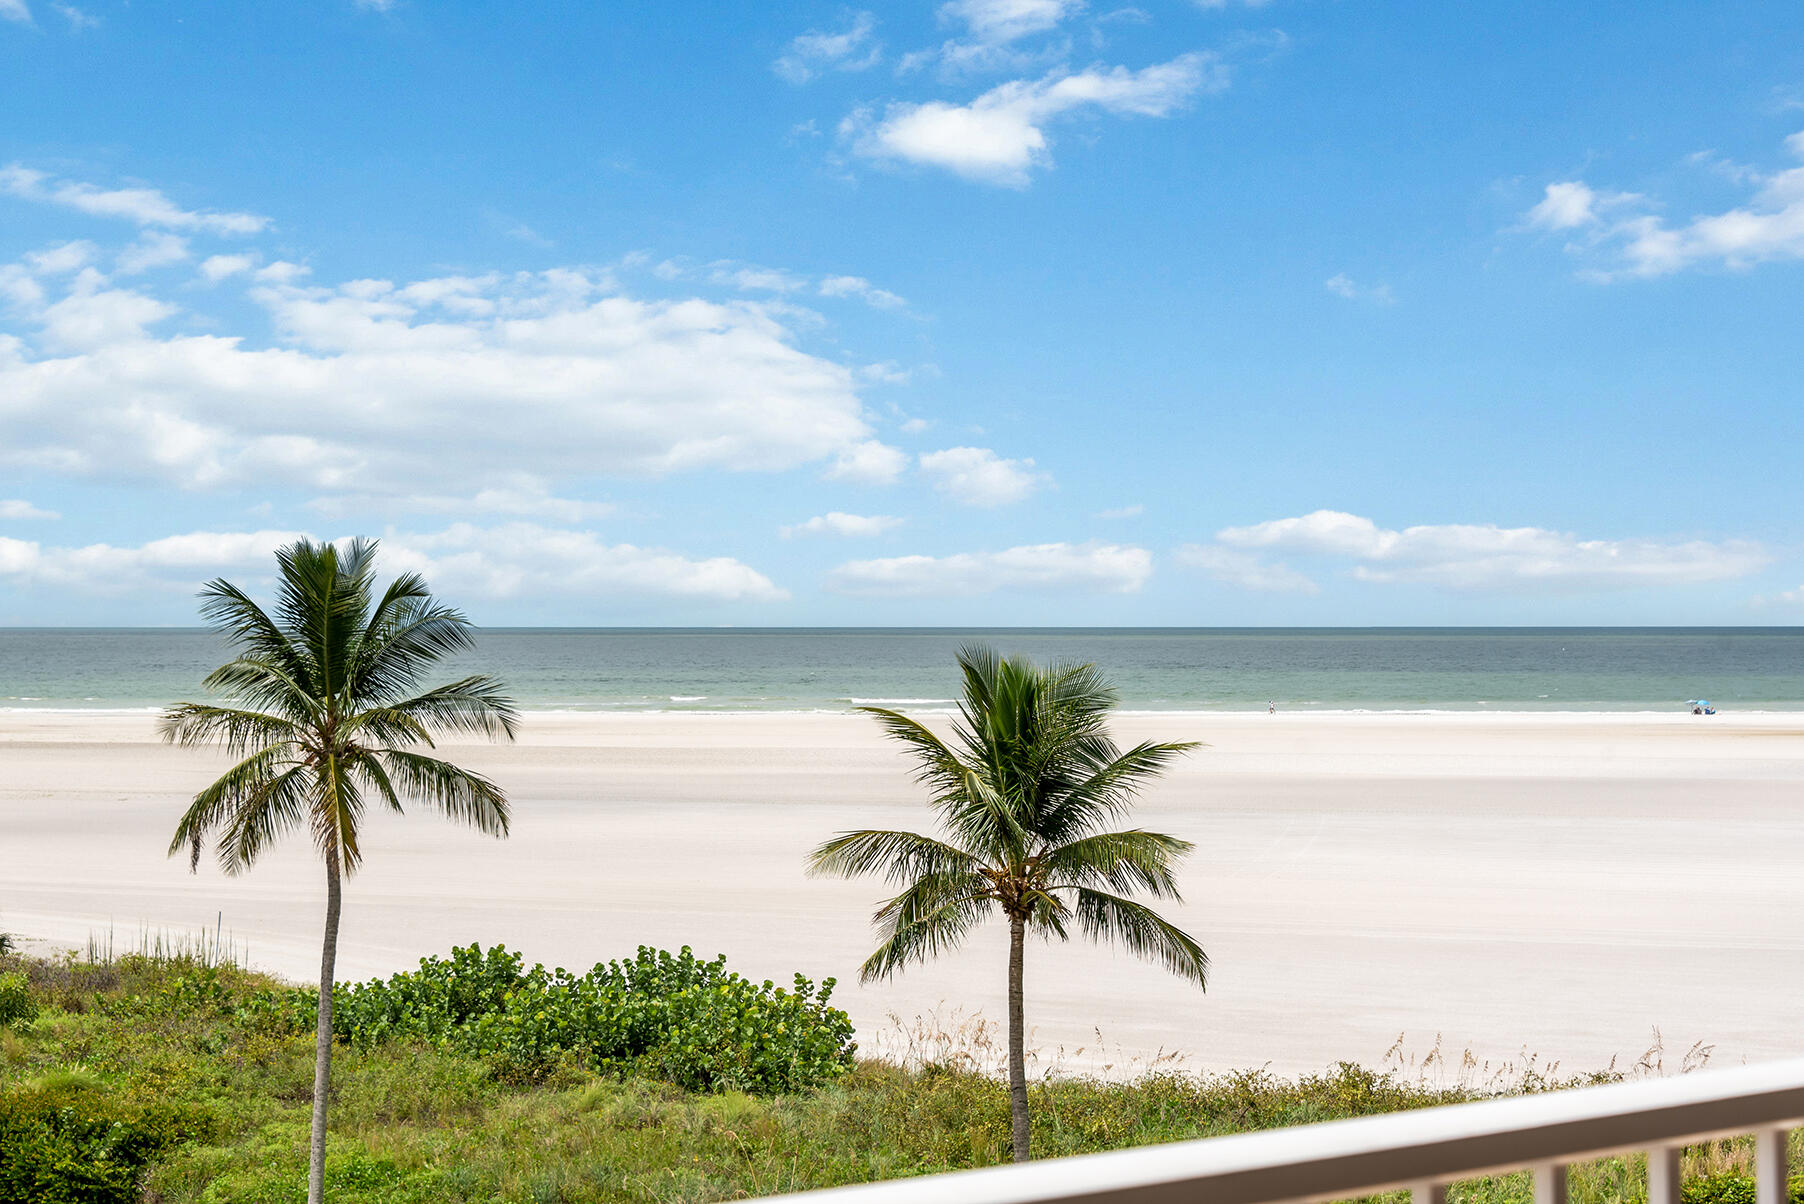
1563	884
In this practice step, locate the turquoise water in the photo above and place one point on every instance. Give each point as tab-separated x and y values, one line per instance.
789	669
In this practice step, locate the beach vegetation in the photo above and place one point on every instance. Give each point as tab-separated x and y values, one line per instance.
325	712
16	1004
657	1015
155	1079
1025	791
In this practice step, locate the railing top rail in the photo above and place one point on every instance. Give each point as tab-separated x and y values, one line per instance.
1338	1159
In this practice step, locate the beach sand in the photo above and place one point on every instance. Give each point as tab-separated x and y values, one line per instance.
1558	884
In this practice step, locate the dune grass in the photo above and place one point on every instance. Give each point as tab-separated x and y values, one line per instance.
155	1044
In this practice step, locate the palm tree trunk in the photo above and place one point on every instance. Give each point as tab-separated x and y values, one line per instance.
1017	1037
322	1061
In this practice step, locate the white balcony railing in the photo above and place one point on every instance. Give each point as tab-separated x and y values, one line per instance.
1422	1151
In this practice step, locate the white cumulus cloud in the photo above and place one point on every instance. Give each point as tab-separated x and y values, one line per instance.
144	206
1480	557
215	268
1092	567
1000	137
977	476
506	561
554	374
520	559
837	522
173	562
1620	234
869	463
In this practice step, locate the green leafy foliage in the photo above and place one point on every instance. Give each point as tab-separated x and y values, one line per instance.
16	1004
214	1091
668	1016
62	1141
1733	1189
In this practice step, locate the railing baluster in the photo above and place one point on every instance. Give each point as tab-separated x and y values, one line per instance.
1550	1182
1428	1193
1771	1166
1664	1175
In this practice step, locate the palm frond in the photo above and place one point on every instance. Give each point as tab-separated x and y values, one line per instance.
191	724
337	814
1107	790
931	917
245	787
1142	932
1127	861
232	613
478	705
370	766
897	856
936	766
455	792
256	818
406	633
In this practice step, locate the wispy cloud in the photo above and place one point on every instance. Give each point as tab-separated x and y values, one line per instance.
993	35
525	497
15	10
1000	137
863	290
154	249
1620	236
1466	556
1343	285
1245	569
1092	567
855	526
853	48
77	19
144	206
19	509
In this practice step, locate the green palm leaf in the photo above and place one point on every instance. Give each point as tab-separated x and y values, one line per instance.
323	707
1022	787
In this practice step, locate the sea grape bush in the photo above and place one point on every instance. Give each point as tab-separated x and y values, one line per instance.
673	1016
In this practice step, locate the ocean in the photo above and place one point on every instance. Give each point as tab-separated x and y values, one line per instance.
828	669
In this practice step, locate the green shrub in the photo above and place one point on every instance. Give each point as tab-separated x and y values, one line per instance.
675	1017
16	1003
1732	1189
62	1142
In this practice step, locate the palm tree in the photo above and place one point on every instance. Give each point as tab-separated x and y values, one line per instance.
1023	792
326	713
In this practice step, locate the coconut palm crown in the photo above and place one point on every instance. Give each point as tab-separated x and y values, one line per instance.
1026	790
325	717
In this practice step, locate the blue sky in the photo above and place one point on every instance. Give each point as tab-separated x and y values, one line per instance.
990	311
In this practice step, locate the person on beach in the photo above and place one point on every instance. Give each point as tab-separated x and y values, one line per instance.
1271	708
